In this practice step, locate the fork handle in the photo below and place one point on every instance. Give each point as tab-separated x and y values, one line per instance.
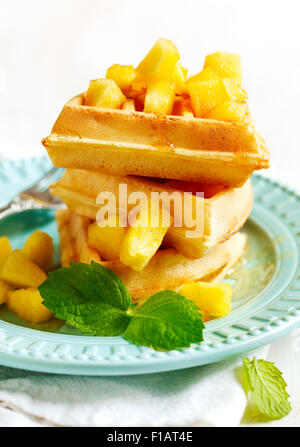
18	205
7	210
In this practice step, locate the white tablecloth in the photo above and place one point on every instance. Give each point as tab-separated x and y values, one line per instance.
210	395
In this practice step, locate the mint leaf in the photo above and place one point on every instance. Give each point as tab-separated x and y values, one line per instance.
89	297
267	388
166	321
95	300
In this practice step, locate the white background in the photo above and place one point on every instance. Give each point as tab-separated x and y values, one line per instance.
51	49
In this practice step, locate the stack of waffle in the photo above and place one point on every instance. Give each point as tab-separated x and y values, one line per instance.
158	133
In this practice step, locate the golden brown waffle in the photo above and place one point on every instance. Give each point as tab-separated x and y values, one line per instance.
223	214
166	270
165	146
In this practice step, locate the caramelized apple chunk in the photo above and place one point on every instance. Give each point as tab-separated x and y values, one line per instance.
214	298
19	271
123	75
160	97
227	65
107	240
5	247
160	62
27	304
207	74
207	95
143	238
39	249
179	77
104	93
4	289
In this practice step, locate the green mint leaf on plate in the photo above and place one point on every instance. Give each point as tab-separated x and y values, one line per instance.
94	299
267	388
89	297
166	321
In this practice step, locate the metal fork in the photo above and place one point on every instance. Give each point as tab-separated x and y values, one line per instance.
37	196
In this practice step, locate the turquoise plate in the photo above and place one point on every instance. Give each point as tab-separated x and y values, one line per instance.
266	301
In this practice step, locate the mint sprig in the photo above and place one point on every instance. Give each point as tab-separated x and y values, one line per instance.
94	299
89	297
267	388
166	321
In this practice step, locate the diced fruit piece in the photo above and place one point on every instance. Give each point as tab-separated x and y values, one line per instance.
234	89
104	93
214	298
160	62
19	271
179	77
229	111
228	65
139	245
189	247
207	74
180	73
5	249
160	97
207	95
4	289
143	240
107	240
123	75
27	304
39	249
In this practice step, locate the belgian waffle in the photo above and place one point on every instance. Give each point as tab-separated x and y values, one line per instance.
223	210
166	270
129	142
